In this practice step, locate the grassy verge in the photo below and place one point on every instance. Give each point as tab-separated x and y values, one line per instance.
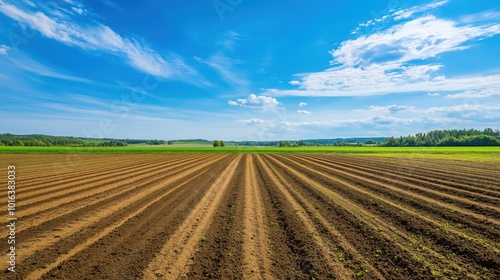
385	151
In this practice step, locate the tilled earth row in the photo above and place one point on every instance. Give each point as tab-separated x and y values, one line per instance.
252	216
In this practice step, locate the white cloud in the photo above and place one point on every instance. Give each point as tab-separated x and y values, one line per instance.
254	101
100	38
481	16
393	61
294	83
481	93
464	114
30	3
396	16
34	67
256	122
379	121
432	94
304	112
302	104
407	13
110	3
420	38
79	11
226	69
230	39
464	108
4	49
391	108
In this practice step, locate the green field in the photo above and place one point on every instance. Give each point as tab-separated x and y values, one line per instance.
466	153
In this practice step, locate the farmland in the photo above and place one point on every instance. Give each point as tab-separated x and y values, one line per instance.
262	215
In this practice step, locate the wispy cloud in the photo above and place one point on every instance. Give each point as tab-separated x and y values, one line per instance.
433	94
254	121
303	112
302	104
482	93
392	16
229	39
407	13
254	101
225	67
98	37
391	108
4	49
481	16
110	3
31	4
35	68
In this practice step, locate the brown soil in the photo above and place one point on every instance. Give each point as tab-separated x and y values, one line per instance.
253	217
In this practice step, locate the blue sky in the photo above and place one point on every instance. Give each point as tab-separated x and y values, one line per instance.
248	70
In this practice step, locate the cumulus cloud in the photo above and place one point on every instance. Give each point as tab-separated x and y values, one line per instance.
380	119
254	101
302	104
420	38
98	37
396	59
304	112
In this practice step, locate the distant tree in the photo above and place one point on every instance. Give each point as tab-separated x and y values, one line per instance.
455	137
301	143
113	143
222	144
216	143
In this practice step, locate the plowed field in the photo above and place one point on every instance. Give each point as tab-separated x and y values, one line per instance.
252	216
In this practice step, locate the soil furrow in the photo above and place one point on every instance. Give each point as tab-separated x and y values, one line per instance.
125	247
324	241
52	231
446	238
77	185
453	210
173	259
431	169
359	163
85	198
255	243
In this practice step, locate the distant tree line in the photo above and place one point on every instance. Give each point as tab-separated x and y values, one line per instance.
112	143
8	139
455	137
300	143
155	142
316	142
142	141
